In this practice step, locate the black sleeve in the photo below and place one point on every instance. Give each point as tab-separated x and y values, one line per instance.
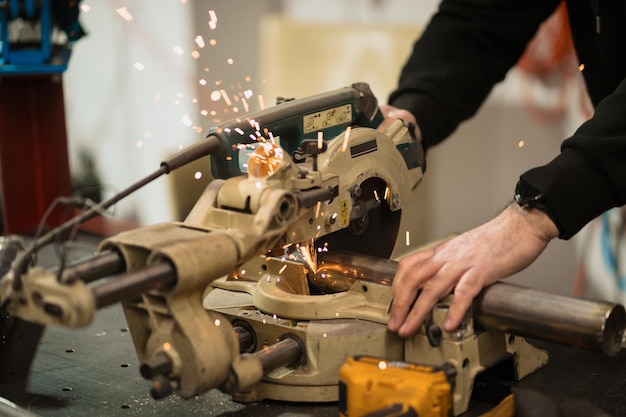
589	175
468	46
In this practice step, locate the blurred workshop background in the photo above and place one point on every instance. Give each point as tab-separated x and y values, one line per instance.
148	80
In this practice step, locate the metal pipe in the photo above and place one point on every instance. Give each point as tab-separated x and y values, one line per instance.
337	271
288	351
133	284
594	325
589	324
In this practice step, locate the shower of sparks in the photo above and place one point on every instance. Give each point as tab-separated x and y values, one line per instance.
308	254
346	137
123	11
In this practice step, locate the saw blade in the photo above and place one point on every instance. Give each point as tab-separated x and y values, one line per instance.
375	233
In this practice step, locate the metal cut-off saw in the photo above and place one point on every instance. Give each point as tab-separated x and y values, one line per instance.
281	270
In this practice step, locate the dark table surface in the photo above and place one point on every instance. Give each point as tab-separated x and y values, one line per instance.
95	372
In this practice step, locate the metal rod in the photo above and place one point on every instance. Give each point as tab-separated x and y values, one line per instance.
245	337
589	324
286	352
98	266
133	284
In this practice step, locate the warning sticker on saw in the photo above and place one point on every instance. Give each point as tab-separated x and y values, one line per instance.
345	213
327	118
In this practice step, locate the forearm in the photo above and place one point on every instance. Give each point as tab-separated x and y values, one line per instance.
442	83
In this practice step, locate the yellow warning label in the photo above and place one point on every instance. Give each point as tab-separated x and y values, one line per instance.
345	213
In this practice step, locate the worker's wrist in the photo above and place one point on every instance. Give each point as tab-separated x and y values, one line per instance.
535	220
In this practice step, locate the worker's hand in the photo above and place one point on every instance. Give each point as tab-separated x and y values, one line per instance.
391	114
466	263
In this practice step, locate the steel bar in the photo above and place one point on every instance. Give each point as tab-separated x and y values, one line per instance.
98	266
286	352
130	285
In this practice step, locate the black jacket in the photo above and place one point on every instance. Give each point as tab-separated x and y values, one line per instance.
469	45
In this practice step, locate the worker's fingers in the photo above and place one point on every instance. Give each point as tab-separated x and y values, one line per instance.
430	295
391	114
412	272
468	287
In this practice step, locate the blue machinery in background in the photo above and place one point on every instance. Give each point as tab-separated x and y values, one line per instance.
40	55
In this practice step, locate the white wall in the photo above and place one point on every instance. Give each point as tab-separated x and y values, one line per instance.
129	96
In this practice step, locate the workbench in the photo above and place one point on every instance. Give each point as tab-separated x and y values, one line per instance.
95	372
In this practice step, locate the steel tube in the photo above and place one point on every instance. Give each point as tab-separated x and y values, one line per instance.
589	324
130	285
593	325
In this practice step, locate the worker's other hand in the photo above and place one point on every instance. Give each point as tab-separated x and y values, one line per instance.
391	114
466	263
